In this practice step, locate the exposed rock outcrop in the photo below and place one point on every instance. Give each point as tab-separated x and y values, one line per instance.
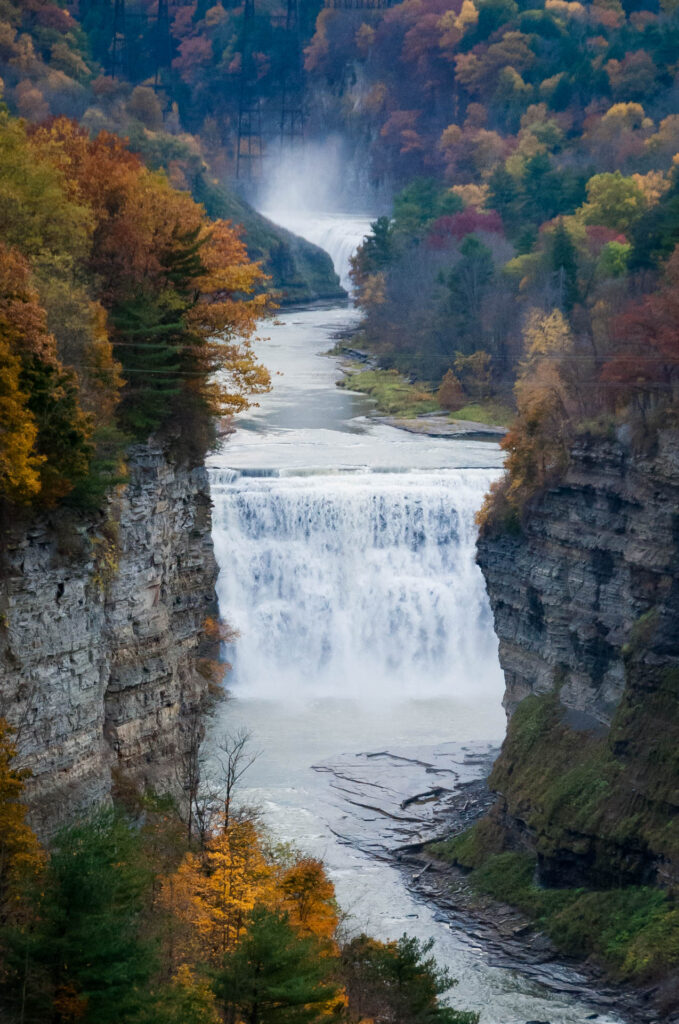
586	606
100	636
596	552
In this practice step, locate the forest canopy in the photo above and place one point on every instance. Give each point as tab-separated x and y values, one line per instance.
125	312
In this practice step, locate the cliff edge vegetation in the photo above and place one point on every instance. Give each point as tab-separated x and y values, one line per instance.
120	301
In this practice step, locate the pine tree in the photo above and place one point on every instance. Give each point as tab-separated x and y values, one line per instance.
275	975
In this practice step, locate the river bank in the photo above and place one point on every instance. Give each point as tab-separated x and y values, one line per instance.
407	405
510	939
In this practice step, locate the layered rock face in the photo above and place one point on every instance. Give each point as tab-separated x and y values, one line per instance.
100	637
586	606
596	552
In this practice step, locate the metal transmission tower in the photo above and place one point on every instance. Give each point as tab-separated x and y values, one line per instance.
163	48
292	86
360	5
118	55
250	151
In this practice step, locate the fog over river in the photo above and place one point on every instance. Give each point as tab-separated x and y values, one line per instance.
367	663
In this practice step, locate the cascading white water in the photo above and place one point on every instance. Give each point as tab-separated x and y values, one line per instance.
355	585
340	234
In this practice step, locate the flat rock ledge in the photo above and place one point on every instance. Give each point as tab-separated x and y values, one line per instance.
441	426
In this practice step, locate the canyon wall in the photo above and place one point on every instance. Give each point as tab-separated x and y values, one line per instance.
102	635
586	604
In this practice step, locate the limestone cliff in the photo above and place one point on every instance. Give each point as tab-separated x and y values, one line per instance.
586	604
101	631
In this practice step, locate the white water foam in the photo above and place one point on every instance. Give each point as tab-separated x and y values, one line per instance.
358	586
339	234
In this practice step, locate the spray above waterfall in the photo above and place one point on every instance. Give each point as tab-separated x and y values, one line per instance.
308	193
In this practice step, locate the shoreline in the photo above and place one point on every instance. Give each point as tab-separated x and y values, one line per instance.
508	937
429	424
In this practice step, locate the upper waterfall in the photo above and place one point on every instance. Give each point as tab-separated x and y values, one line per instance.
339	234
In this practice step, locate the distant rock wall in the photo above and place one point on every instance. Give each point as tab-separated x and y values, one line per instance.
586	605
101	628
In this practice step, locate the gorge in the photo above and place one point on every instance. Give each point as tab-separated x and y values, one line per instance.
339	542
336	535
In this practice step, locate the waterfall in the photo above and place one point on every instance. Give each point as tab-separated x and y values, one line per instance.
361	585
339	234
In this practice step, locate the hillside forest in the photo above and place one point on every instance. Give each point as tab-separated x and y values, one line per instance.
532	149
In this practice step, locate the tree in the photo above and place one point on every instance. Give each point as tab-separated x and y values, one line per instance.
20	852
20	461
91	944
537	443
78	953
644	369
474	371
234	759
188	999
397	981
614	201
468	283
46	447
309	898
565	267
275	975
450	394
210	897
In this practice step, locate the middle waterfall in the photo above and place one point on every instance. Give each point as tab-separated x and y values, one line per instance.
355	584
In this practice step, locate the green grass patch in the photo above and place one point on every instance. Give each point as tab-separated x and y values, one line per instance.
633	932
392	393
492	413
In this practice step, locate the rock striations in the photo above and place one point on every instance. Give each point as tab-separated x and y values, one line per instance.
101	635
586	604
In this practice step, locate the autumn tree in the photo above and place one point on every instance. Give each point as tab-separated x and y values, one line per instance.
643	371
537	443
309	898
46	448
450	394
20	853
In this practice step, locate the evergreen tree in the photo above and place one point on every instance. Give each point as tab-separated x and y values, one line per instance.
83	958
565	268
398	981
275	975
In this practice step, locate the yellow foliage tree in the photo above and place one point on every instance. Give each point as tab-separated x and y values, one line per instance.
308	896
208	898
19	463
537	444
20	852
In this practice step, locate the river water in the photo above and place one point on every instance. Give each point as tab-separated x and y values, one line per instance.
367	664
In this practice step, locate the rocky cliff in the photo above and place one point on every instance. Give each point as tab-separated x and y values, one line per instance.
586	603
101	636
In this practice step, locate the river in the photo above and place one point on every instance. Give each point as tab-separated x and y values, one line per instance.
366	664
